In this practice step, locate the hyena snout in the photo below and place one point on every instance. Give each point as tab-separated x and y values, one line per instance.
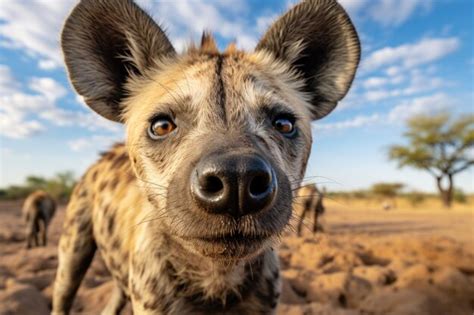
235	184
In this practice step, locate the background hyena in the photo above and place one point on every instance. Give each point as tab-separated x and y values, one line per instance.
187	212
309	201
38	210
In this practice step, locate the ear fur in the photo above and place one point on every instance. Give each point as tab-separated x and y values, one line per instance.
104	42
317	38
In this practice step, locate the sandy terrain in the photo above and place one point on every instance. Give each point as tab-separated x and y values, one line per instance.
368	261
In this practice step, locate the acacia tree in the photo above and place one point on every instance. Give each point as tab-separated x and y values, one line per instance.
440	145
387	190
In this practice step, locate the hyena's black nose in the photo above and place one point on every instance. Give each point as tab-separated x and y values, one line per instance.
232	183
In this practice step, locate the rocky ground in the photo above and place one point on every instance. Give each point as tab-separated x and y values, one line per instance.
366	262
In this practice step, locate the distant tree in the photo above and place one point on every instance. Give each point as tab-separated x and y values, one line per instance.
60	186
66	178
36	182
415	197
439	145
387	190
459	196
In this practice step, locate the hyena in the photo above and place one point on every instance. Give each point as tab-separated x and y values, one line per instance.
188	212
309	200
38	210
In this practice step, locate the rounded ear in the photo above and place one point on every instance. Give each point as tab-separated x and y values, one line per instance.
104	42
317	38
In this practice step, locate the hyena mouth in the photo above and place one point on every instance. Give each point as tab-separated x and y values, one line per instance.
235	238
223	237
231	246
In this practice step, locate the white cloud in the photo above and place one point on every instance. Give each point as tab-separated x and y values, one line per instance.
427	105
410	55
420	105
48	87
34	26
395	12
378	95
24	114
95	142
15	127
393	70
397	79
7	82
187	20
419	81
374	82
353	6
15	106
89	120
386	12
355	122
47	64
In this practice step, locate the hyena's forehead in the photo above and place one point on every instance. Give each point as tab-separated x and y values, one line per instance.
183	86
221	88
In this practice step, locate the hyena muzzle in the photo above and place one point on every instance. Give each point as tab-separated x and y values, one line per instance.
186	214
38	211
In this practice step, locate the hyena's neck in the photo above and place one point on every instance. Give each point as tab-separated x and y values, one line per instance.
210	278
198	280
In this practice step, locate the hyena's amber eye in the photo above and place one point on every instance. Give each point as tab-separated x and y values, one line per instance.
160	127
285	125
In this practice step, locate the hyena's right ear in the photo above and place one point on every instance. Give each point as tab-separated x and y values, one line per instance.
103	41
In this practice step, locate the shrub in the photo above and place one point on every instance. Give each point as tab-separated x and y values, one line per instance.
60	187
416	198
459	196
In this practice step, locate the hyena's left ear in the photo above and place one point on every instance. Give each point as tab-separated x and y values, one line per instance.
317	38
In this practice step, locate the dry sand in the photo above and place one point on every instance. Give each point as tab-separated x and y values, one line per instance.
368	261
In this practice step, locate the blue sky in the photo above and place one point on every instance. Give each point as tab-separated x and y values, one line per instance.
417	58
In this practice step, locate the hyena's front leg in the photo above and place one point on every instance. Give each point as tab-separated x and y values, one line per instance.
301	222
31	232
42	228
36	240
29	236
76	250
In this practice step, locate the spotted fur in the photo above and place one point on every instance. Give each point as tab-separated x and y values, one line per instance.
166	255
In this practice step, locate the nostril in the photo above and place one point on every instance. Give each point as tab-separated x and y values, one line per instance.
212	184
259	185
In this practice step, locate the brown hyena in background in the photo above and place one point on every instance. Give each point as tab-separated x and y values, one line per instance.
309	200
38	210
187	213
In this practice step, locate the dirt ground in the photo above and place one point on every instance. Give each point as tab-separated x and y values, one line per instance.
367	261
